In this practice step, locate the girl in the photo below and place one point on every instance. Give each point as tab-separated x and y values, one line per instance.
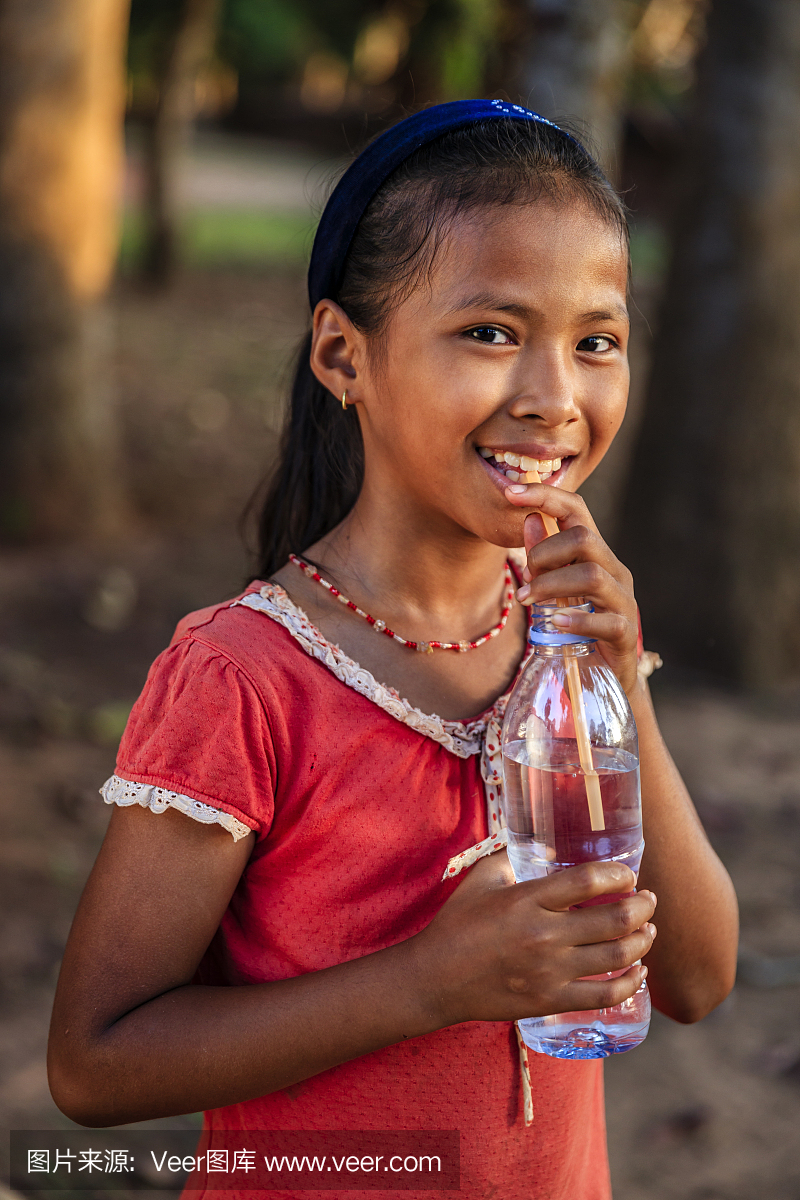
277	946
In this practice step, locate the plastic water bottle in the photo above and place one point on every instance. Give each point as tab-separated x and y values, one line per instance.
551	824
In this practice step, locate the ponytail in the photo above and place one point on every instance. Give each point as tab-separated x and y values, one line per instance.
319	473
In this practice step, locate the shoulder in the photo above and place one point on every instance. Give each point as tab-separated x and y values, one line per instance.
216	621
229	638
245	655
209	670
202	728
264	635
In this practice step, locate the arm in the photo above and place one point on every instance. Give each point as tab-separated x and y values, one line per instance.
693	962
133	1038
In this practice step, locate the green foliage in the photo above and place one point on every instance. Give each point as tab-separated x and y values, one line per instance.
266	38
214	236
218	237
468	32
452	46
269	41
336	23
649	252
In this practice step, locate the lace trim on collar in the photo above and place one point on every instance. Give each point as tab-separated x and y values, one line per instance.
462	738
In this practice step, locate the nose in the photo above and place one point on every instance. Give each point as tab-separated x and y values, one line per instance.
546	389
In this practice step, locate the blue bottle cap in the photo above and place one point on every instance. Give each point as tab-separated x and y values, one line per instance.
543	633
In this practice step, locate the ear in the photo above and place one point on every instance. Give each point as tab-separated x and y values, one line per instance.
336	350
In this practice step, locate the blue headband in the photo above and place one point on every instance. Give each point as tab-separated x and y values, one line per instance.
349	199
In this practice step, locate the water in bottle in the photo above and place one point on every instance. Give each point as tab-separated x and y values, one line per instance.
549	819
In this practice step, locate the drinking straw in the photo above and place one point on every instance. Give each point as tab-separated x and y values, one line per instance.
590	777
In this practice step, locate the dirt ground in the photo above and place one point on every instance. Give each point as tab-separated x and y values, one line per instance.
710	1112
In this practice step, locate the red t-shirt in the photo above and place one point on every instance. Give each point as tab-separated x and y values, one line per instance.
358	802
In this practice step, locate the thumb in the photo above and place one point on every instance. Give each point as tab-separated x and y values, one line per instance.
488	873
535	531
577	885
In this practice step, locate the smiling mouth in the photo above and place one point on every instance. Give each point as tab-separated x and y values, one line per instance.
519	468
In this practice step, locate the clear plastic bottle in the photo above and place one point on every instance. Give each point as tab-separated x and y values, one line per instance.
547	808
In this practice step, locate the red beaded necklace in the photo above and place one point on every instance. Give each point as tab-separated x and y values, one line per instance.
423	647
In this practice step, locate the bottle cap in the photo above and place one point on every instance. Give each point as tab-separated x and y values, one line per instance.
543	633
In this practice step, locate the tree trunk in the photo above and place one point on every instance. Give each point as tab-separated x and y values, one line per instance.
61	108
575	65
713	508
191	48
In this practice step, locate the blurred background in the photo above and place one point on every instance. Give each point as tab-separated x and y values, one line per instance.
162	166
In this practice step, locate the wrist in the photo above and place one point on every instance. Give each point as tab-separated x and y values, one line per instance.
639	696
423	983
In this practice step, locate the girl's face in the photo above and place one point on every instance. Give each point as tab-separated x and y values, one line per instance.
514	353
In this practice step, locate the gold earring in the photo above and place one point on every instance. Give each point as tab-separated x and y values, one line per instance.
344	399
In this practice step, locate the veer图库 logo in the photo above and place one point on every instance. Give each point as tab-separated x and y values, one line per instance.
321	1160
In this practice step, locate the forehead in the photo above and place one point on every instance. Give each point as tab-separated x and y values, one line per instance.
536	252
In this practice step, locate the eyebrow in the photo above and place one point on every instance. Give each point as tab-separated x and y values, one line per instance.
487	300
498	304
615	313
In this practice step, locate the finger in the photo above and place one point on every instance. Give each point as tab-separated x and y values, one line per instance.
611	956
535	531
575	885
585	994
605	627
606	922
579	543
586	579
566	507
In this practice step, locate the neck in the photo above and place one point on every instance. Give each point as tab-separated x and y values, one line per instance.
412	564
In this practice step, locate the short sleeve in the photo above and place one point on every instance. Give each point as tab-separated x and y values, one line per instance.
200	729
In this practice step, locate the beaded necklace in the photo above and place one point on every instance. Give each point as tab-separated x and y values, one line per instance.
423	647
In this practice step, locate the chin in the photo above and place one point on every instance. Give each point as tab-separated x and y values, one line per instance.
510	535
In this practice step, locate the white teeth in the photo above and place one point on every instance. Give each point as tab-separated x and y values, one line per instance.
544	467
514	476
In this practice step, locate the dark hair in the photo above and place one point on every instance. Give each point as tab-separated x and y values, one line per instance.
492	162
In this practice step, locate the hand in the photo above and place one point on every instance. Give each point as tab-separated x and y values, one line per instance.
577	562
496	952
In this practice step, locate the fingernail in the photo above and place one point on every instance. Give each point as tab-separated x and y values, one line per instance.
651	929
516	488
644	972
561	621
523	593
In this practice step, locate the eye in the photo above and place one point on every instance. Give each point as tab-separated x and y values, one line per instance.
490	335
597	344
